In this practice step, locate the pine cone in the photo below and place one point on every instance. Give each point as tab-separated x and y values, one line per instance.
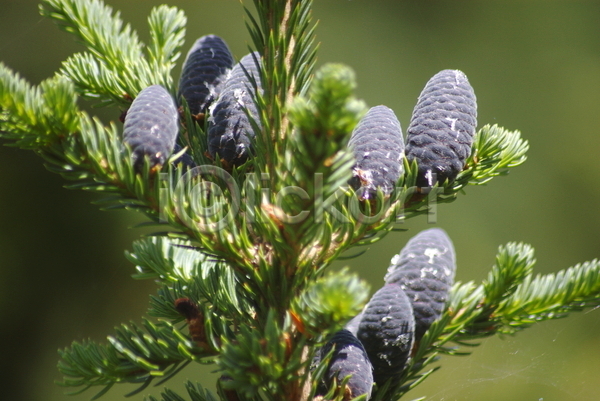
425	269
230	132
386	330
151	126
441	130
378	148
204	72
349	358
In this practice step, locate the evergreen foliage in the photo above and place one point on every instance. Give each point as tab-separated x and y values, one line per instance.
242	260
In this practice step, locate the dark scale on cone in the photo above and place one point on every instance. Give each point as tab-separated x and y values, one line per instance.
230	132
352	325
425	270
204	73
441	130
386	330
151	126
349	358
378	149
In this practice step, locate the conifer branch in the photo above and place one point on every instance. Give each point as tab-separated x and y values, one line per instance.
115	68
37	117
194	390
282	33
495	149
551	296
83	150
133	355
167	30
508	301
186	272
243	270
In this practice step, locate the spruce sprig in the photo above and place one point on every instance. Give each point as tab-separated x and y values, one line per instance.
37	117
510	300
115	68
257	279
283	33
133	355
195	391
167	31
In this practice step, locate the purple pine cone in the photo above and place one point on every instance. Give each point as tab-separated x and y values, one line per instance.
425	269
441	130
387	331
204	72
151	126
349	358
378	148
230	132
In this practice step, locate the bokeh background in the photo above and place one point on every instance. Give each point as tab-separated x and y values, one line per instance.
535	66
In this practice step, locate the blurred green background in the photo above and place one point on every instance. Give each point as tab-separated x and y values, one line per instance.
535	66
